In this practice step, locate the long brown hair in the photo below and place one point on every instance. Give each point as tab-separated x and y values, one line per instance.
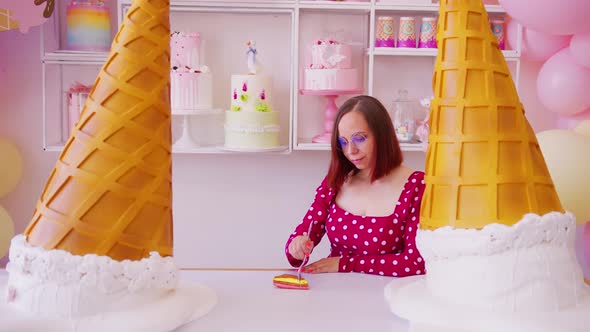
387	154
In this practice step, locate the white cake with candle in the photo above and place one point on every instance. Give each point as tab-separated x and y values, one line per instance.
251	123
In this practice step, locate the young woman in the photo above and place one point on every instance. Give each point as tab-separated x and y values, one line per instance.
368	204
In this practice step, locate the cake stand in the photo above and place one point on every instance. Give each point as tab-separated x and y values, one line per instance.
186	141
330	111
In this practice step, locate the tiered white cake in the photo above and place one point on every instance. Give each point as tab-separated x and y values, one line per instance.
331	67
251	123
190	82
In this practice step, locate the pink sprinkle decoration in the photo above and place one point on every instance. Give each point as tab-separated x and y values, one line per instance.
262	95
245	87
235	94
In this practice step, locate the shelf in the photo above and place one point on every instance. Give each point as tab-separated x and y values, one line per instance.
53	148
304	16
427	8
406	147
364	6
75	57
227	5
196	150
100	57
336	5
508	54
404	51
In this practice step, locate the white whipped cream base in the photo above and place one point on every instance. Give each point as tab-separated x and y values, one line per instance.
55	283
528	267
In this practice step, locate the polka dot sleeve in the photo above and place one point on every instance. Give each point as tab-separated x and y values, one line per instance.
406	262
316	214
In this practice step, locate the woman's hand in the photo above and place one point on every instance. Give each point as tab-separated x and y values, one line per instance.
324	265
300	247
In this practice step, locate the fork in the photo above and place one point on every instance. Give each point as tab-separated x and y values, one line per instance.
306	259
301	268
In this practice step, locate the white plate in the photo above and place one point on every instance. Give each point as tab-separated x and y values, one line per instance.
410	298
188	302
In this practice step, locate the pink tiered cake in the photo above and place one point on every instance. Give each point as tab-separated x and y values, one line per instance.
88	26
331	67
191	82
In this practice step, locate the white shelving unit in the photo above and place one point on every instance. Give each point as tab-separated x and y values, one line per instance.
304	112
431	52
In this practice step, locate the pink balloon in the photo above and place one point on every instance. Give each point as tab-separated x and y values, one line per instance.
570	122
562	85
25	12
536	46
556	17
580	47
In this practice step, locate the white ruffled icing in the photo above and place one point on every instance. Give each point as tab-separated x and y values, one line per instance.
447	242
252	130
57	283
528	267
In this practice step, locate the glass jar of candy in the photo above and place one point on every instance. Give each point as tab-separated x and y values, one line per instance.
405	115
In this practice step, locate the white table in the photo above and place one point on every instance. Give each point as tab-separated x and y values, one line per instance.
339	302
342	302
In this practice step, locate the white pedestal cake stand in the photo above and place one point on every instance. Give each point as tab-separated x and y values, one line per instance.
186	142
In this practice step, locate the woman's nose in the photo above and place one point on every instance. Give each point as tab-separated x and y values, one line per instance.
351	148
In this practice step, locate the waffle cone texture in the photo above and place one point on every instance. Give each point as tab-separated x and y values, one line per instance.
7	22
110	192
483	163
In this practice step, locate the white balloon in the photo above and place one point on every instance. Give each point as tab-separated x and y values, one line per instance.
567	158
583	128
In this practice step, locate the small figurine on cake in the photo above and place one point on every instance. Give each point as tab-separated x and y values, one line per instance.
251	54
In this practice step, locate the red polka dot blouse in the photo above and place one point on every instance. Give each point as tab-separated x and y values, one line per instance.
382	245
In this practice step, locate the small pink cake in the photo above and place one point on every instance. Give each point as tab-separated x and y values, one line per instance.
76	98
331	67
190	81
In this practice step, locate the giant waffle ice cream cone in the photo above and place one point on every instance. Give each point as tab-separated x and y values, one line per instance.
97	254
110	191
496	242
483	163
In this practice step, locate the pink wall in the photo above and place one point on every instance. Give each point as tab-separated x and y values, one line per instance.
20	119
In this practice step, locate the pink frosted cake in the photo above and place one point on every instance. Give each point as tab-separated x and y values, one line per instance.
190	82
331	67
76	98
88	26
